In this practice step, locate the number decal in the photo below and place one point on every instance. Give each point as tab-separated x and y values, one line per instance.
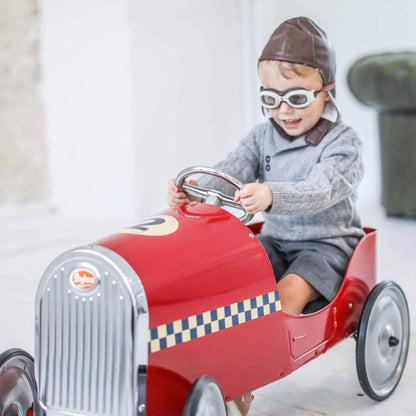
147	224
155	226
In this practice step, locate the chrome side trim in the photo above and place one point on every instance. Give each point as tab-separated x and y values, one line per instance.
89	344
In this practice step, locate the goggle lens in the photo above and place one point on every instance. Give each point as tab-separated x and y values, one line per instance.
268	100
298	99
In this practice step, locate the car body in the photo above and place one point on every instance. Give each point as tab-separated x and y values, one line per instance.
129	324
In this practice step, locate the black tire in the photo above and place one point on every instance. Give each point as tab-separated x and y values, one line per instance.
382	340
205	399
17	384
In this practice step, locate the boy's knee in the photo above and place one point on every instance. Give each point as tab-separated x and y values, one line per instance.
295	293
290	285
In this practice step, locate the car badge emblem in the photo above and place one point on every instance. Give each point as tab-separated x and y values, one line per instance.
83	279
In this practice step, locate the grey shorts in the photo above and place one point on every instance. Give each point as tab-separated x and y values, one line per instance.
322	265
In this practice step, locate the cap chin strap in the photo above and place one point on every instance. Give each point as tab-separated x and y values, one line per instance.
330	112
312	137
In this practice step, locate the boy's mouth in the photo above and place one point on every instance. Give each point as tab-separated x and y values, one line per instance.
291	123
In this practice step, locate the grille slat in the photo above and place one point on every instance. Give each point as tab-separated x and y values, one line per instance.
94	353
60	299
108	358
87	352
72	342
79	362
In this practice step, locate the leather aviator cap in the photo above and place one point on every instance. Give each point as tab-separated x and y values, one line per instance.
301	41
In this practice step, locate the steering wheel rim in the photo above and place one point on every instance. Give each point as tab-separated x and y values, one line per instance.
211	196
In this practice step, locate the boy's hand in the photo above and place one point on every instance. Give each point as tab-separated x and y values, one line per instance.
254	197
176	197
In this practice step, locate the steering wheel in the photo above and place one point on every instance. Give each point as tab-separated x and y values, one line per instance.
212	196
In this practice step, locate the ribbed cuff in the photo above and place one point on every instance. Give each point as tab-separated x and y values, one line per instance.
280	197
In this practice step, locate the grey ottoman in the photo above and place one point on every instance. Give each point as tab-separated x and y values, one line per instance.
387	83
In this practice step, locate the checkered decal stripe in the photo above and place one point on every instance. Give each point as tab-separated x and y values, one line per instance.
197	326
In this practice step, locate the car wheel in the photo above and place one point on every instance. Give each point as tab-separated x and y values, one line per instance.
205	399
17	384
382	340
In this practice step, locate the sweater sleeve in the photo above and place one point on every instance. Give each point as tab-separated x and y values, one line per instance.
242	164
334	178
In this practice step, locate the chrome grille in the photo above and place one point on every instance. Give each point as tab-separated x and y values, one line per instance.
90	344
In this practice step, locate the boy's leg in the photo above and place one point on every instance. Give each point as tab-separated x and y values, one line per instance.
277	260
316	269
295	293
240	406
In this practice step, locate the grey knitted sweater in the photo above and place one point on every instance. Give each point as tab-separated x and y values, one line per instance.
314	187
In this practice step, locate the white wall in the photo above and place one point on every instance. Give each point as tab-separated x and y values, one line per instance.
134	91
87	95
187	88
355	28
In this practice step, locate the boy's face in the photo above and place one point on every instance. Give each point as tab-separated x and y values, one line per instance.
295	121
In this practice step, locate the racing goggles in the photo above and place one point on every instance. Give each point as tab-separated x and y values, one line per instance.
294	97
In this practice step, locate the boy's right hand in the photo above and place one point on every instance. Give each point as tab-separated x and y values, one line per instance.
175	196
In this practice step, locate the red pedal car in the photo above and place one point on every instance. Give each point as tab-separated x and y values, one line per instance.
156	320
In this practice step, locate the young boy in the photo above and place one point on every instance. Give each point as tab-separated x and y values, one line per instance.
301	168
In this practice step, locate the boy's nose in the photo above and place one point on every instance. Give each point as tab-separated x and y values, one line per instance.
285	108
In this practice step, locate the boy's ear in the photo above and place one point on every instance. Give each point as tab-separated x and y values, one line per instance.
327	88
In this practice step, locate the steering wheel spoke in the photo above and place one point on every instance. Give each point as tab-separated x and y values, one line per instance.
229	202
196	191
212	196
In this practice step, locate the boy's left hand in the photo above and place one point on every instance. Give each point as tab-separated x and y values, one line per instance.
254	197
